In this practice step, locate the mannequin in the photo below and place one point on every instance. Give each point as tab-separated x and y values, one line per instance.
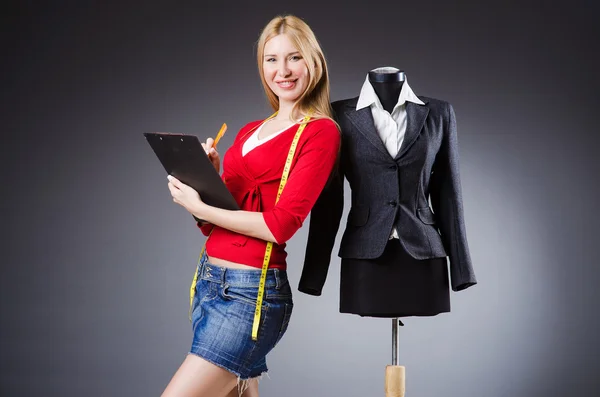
387	86
400	156
393	285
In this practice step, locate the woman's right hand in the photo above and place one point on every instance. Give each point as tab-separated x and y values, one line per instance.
212	153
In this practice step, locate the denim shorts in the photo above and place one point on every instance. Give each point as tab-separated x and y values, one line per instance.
223	311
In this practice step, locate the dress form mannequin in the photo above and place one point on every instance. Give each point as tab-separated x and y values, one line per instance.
387	83
405	225
393	285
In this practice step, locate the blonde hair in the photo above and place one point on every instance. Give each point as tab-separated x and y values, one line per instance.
316	95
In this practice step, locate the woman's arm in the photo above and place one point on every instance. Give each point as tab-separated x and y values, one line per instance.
248	223
305	183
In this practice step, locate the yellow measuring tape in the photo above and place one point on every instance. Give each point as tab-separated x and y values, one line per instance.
269	248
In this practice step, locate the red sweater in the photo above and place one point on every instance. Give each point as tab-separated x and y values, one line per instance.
254	179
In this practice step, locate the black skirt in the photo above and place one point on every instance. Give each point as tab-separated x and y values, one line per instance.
394	285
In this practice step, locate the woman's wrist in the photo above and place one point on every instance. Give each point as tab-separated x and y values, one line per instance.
199	212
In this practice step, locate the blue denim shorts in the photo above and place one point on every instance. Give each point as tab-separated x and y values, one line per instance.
223	312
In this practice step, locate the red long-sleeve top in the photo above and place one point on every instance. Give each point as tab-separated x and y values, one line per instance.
254	179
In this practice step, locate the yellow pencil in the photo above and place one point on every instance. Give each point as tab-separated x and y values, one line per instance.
220	134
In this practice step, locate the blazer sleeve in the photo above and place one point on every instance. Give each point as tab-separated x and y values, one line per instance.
325	219
446	200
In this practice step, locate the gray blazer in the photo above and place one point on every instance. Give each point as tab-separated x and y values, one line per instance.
389	192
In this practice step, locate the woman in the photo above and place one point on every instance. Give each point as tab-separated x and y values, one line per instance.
229	347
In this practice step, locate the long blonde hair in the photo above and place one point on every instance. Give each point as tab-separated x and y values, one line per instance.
316	95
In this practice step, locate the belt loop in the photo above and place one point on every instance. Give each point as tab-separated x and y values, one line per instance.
223	273
201	268
277	279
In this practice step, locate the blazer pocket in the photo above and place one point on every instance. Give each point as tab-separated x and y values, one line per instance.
426	215
358	215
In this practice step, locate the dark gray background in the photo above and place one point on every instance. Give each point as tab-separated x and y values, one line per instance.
97	259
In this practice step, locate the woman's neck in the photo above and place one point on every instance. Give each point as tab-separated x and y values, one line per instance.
285	110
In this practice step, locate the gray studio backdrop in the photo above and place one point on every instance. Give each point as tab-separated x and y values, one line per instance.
96	259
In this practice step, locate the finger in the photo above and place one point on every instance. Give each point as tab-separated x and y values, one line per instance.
174	191
210	142
174	181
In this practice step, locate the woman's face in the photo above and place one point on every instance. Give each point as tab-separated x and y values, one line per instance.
284	69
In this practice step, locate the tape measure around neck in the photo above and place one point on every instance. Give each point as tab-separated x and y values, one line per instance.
269	247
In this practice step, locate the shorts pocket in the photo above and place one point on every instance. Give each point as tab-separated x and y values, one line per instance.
287	315
244	295
283	294
205	292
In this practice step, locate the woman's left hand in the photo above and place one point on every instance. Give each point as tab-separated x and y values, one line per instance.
184	195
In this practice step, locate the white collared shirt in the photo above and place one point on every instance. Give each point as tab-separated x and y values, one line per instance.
391	127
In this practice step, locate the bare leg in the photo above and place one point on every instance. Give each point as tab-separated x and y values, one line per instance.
197	377
251	391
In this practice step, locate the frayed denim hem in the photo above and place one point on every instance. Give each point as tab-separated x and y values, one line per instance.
242	384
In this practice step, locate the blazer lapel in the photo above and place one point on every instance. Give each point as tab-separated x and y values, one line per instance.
363	121
415	118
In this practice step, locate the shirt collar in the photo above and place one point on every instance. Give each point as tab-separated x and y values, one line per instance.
368	97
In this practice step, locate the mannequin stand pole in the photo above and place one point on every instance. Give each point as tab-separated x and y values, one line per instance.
395	374
395	340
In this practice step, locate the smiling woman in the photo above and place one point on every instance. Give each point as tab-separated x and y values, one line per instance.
284	70
275	169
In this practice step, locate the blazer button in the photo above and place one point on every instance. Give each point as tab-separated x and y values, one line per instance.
392	203
393	167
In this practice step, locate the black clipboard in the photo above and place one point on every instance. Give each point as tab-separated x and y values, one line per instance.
183	156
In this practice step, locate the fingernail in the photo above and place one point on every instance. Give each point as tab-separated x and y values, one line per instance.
169	177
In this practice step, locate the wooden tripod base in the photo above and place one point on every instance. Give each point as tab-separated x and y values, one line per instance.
394	381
